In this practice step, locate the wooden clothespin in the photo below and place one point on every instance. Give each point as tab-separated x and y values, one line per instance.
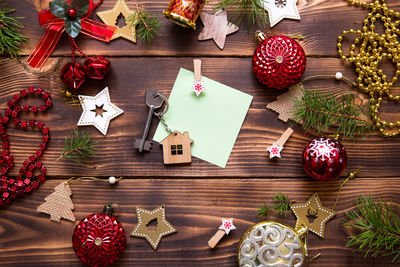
277	146
198	84
225	228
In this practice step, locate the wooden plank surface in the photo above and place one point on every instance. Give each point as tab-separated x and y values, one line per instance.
317	20
116	154
196	195
194	207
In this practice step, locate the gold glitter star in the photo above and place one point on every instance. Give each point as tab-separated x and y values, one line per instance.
312	215
163	227
110	17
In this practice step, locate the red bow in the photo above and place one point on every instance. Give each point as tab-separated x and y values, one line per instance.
55	28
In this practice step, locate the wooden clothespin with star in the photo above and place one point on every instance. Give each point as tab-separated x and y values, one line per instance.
198	83
277	146
225	228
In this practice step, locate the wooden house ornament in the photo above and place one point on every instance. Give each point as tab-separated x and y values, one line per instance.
176	148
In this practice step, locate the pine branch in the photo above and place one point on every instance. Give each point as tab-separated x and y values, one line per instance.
10	36
147	25
379	226
320	113
252	9
281	206
264	210
78	147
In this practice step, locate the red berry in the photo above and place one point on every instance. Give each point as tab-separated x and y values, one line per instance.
72	14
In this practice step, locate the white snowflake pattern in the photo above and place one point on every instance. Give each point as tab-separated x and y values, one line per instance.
275	150
227	225
198	87
322	148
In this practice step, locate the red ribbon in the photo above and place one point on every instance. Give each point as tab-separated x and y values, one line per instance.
55	28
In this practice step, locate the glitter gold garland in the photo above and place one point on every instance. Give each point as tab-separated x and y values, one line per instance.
372	48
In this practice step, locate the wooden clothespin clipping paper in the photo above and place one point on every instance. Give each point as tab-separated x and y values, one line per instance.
198	83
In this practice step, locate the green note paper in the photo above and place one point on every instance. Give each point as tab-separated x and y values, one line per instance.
212	119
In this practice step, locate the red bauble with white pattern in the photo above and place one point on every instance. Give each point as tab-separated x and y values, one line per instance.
278	61
99	239
324	159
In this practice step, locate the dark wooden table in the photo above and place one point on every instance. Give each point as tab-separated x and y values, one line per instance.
196	195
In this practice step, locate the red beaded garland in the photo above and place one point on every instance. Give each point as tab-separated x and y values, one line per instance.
324	159
26	181
278	61
99	239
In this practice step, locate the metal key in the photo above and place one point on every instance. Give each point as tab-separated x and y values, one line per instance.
154	101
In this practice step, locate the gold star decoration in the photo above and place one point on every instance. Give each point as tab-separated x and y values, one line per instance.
145	217
216	27
110	17
312	215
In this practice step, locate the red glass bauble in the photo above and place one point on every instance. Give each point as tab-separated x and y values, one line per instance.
97	67
324	159
278	61
99	239
73	75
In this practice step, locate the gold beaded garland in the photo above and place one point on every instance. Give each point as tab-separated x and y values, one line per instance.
372	49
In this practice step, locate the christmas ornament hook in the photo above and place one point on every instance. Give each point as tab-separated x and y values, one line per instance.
260	36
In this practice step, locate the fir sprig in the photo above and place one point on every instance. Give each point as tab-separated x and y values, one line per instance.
379	226
147	25
281	206
78	147
10	36
265	210
320	113
252	9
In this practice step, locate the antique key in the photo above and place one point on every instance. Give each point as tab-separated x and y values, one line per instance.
154	100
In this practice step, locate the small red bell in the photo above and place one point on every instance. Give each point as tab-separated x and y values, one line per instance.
278	61
73	75
99	239
97	67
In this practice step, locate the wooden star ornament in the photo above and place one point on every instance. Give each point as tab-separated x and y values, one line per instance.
110	17
98	110
281	9
313	215
163	227
216	27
